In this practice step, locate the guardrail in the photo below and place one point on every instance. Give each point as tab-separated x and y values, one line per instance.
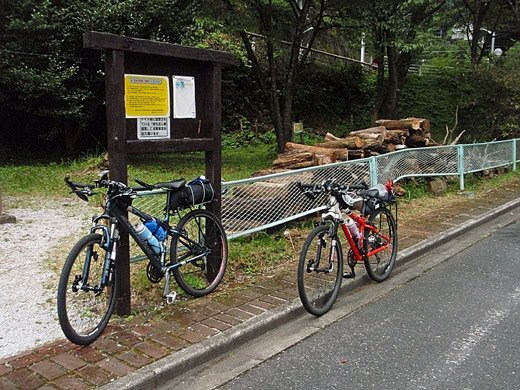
255	204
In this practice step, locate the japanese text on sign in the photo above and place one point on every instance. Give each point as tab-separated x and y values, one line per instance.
146	96
153	128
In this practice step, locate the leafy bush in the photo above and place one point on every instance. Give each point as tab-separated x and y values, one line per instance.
333	96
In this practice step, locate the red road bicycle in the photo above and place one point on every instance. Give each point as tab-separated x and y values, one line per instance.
371	233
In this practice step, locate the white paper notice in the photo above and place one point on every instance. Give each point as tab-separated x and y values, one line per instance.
153	128
184	97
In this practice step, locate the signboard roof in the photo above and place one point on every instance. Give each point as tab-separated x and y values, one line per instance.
102	41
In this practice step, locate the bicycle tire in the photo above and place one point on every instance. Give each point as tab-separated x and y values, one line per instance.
319	289
199	277
379	265
83	315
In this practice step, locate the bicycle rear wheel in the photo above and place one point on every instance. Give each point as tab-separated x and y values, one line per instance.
380	264
85	307
320	270
205	255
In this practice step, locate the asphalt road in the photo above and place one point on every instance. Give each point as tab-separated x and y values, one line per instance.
455	326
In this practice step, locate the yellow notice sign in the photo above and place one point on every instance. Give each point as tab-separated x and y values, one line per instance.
146	96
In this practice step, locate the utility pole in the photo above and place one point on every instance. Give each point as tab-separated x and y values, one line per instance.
362	57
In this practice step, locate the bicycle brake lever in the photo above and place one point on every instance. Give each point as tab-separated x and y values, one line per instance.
310	195
143	184
80	194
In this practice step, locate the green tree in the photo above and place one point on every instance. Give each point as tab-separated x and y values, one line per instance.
483	26
393	26
277	36
51	85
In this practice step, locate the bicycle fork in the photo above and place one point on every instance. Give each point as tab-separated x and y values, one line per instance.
110	260
109	243
314	265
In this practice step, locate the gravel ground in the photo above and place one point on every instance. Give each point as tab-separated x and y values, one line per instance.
43	229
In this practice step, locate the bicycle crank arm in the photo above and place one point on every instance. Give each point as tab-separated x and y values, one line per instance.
327	270
170	296
87	288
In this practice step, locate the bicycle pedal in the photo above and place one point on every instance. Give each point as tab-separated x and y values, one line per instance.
170	298
349	275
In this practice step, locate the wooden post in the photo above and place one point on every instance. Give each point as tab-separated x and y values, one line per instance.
117	162
214	157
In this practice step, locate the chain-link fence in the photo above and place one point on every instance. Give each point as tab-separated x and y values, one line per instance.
256	204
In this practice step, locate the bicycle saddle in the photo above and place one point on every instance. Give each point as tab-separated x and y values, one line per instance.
378	191
372	193
171	185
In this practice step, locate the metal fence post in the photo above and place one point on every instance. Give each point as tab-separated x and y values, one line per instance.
514	153
372	163
460	156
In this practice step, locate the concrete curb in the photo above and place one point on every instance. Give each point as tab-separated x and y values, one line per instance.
157	374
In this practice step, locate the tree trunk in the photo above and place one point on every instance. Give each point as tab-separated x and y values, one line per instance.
389	107
280	103
386	43
292	158
371	130
356	154
417	139
72	135
380	84
407	123
334	154
396	137
348	142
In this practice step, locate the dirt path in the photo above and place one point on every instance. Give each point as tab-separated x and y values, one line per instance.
28	285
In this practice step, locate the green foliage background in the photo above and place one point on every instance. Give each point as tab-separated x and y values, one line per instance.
52	90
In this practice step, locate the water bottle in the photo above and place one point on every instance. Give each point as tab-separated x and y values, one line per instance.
156	229
352	228
146	235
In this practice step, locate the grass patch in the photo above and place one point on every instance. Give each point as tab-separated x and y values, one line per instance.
256	253
46	179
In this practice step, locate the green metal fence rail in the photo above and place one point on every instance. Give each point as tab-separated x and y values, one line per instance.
255	204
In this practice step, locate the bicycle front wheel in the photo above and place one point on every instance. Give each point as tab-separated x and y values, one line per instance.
320	270
202	247
381	263
84	304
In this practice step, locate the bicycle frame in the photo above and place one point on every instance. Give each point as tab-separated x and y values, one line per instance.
115	215
335	213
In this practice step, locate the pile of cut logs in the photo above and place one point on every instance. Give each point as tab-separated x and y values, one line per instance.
388	136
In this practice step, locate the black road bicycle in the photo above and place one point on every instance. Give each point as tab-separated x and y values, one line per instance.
198	251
